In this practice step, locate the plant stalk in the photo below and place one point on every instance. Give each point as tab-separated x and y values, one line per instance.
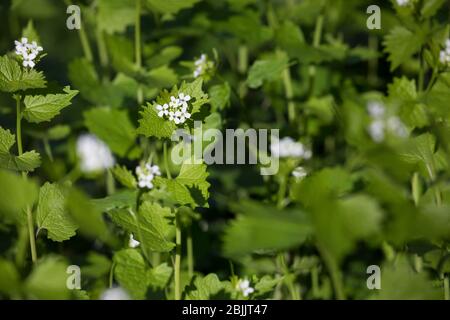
30	223
177	258
137	48
190	253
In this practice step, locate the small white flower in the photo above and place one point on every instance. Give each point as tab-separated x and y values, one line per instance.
115	294
403	3
94	154
132	243
375	109
396	126
244	287
145	174
202	65
376	130
381	124
27	51
444	55
299	173
287	147
177	110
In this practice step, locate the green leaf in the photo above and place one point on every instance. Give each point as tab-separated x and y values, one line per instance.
264	227
14	78
150	125
205	288
430	7
124	176
9	277
52	215
159	276
151	225
17	193
44	108
48	280
118	200
164	56
88	218
194	176
401	44
401	282
340	224
131	272
328	183
403	89
114	128
194	89
115	15
220	96
30	33
28	161
189	188
170	6
268	69
84	77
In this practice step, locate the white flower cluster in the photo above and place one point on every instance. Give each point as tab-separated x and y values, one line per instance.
380	123
402	3
146	173
132	243
177	110
288	148
299	173
202	65
115	294
445	54
94	154
28	51
244	287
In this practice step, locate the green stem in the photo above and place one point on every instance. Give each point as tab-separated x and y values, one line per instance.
288	93
166	160
177	258
373	63
190	253
110	185
288	278
446	288
30	223
335	274
316	42
421	72
242	59
85	44
315	281
137	48
111	275
102	52
281	192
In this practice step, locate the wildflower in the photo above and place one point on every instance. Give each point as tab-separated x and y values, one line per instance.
132	243
402	3
27	51
244	287
202	66
375	109
299	173
287	147
93	153
177	110
115	294
444	56
376	130
146	173
380	123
